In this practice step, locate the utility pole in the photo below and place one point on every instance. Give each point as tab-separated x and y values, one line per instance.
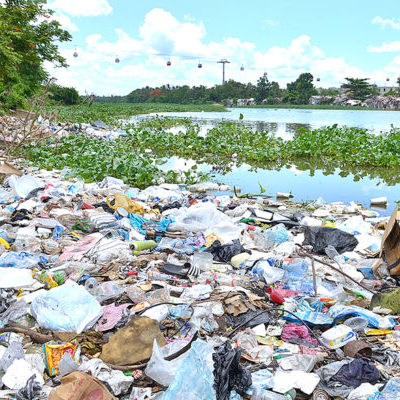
223	62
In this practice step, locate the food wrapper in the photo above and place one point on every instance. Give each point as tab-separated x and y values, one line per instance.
54	353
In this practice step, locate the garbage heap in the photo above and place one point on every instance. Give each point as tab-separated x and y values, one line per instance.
108	291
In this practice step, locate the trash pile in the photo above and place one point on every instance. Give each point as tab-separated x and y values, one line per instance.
172	292
372	101
14	129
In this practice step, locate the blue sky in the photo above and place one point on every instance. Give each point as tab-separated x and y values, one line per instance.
331	39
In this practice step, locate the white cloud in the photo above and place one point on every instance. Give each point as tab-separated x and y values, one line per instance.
385	48
87	8
162	37
271	23
392	22
65	22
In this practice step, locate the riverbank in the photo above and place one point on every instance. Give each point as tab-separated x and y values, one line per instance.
112	112
314	107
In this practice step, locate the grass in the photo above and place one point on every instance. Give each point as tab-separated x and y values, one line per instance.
314	107
111	113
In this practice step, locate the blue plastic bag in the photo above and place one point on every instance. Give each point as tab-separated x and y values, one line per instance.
194	379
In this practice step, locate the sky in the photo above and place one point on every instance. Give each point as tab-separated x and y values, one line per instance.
331	39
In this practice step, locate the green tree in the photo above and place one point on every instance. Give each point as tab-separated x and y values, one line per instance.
300	91
398	83
358	88
28	37
65	95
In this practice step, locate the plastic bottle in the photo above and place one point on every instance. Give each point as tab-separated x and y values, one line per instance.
295	268
232	280
91	284
144	245
332	253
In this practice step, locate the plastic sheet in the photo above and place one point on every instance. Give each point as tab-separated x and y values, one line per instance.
68	308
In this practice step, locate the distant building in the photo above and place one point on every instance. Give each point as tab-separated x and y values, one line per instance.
246	102
385	89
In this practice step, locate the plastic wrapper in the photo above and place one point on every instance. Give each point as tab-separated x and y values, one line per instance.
68	308
53	354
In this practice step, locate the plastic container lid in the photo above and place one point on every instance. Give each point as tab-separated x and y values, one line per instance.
357	324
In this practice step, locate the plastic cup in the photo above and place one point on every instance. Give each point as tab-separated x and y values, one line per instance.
203	260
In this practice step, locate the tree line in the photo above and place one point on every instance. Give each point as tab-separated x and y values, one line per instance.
265	91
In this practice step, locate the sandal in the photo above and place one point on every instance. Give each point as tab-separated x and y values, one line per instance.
182	271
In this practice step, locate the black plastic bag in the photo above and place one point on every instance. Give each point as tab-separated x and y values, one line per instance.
248	319
321	237
225	252
228	373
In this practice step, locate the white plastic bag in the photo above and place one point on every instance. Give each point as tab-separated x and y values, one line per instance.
160	370
67	308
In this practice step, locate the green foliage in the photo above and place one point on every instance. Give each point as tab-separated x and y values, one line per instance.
114	113
328	92
358	88
27	38
266	90
149	143
64	95
300	91
197	94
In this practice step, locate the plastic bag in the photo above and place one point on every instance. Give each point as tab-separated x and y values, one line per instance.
225	252
21	260
340	311
262	379
321	237
122	201
204	217
392	389
270	274
194	379
228	372
161	370
67	308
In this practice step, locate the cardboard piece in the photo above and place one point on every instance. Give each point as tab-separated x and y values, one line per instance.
390	247
133	343
8	169
78	385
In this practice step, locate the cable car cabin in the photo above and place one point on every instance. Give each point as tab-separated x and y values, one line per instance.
242	68
75	54
117	60
168	63
200	65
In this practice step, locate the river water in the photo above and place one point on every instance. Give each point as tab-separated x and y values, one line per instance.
304	181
